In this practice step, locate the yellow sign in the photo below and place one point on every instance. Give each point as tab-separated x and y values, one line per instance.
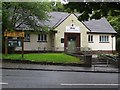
14	34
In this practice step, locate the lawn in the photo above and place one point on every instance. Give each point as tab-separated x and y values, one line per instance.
45	57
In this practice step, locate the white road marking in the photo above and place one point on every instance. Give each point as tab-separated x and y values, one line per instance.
63	84
3	83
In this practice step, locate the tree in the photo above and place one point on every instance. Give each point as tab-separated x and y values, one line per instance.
0	29
94	10
57	7
15	14
115	22
18	13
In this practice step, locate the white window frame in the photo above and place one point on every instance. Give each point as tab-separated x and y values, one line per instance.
90	38
27	37
42	37
104	38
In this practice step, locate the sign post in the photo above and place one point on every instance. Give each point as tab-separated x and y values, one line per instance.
22	46
6	46
17	43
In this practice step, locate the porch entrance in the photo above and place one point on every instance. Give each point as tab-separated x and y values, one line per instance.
72	42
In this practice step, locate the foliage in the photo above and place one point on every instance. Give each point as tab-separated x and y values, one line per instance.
25	14
47	57
0	8
115	22
57	7
0	14
16	14
94	10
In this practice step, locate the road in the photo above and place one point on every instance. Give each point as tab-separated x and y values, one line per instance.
54	79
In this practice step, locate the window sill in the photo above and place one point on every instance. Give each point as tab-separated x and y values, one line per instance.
41	41
26	41
90	42
103	42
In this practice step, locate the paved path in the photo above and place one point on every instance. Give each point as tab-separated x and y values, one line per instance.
8	65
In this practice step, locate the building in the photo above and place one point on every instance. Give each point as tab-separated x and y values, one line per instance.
69	34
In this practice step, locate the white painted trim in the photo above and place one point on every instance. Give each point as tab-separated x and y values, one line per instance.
3	83
65	84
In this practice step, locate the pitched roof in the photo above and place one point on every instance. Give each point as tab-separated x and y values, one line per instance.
99	26
95	26
56	18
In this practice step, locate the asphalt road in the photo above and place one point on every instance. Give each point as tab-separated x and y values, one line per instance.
54	79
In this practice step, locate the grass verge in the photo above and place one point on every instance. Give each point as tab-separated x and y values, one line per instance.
45	57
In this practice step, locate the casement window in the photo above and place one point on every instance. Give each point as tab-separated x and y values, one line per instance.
104	39
27	37
42	37
90	38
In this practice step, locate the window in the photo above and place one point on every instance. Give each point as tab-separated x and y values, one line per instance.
27	37
62	40
104	39
90	38
42	37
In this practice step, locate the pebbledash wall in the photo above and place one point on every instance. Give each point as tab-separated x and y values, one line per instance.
63	31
